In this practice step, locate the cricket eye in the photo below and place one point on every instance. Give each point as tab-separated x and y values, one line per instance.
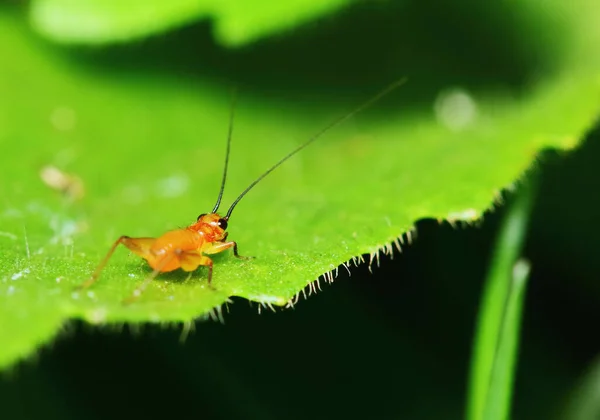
222	224
201	216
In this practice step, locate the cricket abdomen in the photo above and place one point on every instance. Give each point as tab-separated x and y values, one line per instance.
169	245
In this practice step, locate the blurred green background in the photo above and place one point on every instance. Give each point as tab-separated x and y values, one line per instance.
392	344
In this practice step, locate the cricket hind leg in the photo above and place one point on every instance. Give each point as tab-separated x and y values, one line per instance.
139	246
137	292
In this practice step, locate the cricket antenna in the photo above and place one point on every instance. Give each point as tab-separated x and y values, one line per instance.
231	116
331	125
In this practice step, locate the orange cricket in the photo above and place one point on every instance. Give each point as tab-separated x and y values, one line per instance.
189	248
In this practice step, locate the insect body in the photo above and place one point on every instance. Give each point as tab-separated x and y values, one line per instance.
190	248
182	248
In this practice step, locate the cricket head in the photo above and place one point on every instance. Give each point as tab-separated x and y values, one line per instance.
211	225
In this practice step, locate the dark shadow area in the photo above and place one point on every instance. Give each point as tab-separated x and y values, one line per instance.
357	51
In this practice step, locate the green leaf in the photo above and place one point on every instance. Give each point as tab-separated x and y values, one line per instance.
105	21
147	144
496	342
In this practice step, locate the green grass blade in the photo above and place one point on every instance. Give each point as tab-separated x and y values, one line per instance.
500	389
584	401
497	338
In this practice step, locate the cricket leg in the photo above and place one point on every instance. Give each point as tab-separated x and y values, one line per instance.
137	292
216	247
140	246
191	260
